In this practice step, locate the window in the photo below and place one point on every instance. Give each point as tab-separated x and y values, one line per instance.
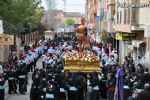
117	17
105	15
125	16
120	17
129	17
134	16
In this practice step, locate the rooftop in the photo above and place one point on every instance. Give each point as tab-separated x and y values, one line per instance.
72	14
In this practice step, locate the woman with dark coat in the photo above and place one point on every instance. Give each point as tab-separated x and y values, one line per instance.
2	88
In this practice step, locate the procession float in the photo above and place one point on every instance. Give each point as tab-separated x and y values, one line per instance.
83	60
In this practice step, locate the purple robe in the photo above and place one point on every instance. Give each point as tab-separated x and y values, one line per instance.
119	84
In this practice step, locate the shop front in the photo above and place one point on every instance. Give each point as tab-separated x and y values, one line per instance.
125	41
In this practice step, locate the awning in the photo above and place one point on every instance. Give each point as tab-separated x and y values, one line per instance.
137	43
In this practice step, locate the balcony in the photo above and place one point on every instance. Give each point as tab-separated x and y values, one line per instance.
123	27
140	17
111	2
137	28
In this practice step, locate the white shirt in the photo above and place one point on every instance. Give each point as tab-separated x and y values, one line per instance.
115	56
111	61
51	50
44	58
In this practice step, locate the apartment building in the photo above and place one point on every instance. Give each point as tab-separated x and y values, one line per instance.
91	11
93	18
107	20
125	22
56	20
76	16
131	17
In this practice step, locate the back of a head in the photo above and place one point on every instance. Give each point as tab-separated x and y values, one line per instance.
147	86
146	70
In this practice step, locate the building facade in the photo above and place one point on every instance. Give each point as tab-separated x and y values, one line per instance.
130	20
91	12
59	18
92	8
76	16
125	22
107	13
58	21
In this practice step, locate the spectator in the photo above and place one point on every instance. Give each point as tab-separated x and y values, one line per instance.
146	76
145	95
131	67
1	68
2	88
134	95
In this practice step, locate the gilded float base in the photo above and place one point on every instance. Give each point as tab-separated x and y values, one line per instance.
82	66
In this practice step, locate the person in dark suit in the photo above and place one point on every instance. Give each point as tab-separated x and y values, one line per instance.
134	95
73	88
145	95
22	72
34	86
111	84
14	59
146	76
12	87
95	94
2	88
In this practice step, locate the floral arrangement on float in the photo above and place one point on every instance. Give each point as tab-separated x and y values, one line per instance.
82	62
86	56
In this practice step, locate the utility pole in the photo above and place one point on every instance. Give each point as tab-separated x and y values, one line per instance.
51	6
64	14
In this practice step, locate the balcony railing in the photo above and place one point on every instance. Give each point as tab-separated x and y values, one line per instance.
110	2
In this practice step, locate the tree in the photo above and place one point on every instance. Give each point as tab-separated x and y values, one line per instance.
70	22
104	37
17	14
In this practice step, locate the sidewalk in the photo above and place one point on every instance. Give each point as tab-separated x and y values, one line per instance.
19	96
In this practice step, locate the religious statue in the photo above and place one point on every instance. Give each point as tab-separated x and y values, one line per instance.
83	40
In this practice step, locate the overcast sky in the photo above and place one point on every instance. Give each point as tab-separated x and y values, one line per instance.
71	5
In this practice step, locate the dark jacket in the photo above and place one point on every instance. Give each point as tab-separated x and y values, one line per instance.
131	98
146	78
145	95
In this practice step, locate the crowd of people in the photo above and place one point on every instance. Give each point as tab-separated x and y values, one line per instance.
51	82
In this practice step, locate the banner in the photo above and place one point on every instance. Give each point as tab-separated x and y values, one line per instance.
118	36
125	36
6	39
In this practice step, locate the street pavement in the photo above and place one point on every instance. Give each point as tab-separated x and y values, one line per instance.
19	96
